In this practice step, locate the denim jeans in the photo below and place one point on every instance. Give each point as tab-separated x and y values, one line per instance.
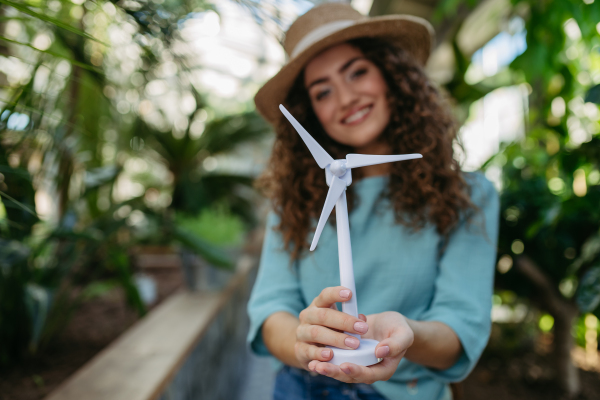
296	384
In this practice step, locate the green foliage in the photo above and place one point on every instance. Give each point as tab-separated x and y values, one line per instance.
549	201
74	113
208	251
217	226
196	189
588	294
46	18
550	179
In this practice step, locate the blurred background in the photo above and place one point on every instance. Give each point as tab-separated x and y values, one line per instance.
129	144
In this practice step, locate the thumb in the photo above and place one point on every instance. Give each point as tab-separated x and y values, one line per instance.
395	345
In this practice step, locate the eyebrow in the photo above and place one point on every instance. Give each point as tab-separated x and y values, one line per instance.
342	69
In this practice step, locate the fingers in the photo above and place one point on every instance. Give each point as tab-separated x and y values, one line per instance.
332	295
361	374
330	370
312	352
382	371
322	335
347	372
352	373
395	345
334	319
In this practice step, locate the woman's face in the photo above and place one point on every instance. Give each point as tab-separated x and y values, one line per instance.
349	97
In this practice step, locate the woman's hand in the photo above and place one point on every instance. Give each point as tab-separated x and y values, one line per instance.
395	336
321	324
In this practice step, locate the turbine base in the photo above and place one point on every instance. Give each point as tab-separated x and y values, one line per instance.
364	355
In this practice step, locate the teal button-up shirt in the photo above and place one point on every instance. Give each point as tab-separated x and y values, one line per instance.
396	269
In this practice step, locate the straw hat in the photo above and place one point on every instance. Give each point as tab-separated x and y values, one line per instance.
331	23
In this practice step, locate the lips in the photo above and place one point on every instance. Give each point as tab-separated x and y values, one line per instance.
357	115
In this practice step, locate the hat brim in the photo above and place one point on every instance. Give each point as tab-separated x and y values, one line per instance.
413	34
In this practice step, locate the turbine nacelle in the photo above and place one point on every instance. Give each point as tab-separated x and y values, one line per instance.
338	168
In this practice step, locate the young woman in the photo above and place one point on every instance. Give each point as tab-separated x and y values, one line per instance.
423	232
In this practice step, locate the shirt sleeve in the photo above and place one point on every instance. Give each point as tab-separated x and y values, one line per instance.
464	285
276	288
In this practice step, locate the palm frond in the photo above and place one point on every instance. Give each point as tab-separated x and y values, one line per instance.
224	134
26	10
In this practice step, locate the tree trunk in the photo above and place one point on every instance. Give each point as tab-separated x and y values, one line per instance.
564	314
568	376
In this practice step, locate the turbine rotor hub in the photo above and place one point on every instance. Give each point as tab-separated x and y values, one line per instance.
338	168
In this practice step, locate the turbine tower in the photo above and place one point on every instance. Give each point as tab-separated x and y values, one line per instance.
338	176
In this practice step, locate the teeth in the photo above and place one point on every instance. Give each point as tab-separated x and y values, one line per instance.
357	115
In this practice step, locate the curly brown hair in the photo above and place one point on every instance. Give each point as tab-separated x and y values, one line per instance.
430	190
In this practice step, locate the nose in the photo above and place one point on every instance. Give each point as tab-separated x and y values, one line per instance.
347	95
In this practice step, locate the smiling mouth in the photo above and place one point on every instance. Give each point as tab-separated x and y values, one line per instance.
358	116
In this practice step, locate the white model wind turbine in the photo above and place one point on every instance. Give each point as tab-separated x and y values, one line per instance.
338	177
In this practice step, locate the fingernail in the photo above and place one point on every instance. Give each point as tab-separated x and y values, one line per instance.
344	293
323	373
325	353
352	342
361	327
383	351
346	370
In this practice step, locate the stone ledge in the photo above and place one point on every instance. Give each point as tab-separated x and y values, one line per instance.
141	363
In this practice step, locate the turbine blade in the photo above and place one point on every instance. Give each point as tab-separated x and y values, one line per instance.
335	191
362	160
319	154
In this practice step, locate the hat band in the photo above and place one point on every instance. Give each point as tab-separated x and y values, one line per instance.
320	33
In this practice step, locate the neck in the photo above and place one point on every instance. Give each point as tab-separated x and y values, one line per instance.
378	148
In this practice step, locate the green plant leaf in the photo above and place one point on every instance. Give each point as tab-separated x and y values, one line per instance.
99	176
12	252
589	252
209	252
98	289
72	61
224	134
588	293
121	264
51	20
19	204
38	300
593	95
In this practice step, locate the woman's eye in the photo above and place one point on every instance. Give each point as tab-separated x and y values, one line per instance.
359	72
322	94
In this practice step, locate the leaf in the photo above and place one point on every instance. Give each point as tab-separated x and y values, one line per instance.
99	176
224	134
51	20
98	289
19	204
121	263
12	252
593	95
588	293
209	252
38	300
72	61
589	251
93	235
